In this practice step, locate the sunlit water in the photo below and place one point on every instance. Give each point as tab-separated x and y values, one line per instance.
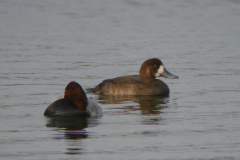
46	44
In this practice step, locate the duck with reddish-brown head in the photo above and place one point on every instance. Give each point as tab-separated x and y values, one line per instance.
74	104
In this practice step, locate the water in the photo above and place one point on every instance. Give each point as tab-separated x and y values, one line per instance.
46	44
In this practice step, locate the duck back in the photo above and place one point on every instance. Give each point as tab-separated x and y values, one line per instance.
64	108
131	85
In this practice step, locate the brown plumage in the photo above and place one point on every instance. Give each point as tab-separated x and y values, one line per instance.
143	84
76	94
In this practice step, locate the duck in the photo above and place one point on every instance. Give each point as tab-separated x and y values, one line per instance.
143	84
73	103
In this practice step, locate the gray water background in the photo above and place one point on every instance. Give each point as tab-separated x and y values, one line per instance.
46	44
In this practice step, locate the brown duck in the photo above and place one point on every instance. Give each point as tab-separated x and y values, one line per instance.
143	84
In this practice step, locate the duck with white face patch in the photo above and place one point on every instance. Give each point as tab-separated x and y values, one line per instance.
143	84
163	72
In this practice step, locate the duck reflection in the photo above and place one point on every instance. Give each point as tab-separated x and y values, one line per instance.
71	129
72	126
148	105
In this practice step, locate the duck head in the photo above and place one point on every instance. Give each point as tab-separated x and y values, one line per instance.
76	94
153	68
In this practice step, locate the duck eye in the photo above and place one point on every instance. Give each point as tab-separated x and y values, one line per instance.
155	65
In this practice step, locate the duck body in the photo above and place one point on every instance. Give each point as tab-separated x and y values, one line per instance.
73	103
143	84
131	85
65	108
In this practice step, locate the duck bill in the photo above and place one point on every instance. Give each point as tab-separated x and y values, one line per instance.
167	74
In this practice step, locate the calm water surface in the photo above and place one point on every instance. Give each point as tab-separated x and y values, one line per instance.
46	44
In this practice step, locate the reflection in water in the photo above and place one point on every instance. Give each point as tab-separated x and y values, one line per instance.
72	126
148	105
73	130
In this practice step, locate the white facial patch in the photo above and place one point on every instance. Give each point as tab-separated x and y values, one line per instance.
160	71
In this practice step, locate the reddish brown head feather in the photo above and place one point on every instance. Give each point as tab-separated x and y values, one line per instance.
76	94
149	69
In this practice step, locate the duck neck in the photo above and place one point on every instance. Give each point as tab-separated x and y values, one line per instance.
145	75
146	79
